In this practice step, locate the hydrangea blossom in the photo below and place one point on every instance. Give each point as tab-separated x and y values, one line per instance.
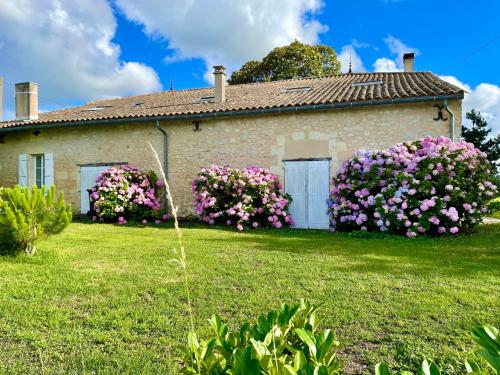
125	193
246	198
432	186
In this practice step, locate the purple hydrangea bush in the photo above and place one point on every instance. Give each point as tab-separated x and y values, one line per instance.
432	186
125	193
247	198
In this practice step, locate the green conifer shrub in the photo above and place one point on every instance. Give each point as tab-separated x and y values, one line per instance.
28	215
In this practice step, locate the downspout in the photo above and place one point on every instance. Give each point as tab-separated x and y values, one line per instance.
165	160
452	120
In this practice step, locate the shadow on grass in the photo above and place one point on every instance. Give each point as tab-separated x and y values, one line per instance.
461	255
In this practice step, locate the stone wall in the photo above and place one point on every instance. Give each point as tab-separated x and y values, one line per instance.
237	141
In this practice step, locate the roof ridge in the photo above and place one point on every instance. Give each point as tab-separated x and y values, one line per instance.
248	84
259	95
324	76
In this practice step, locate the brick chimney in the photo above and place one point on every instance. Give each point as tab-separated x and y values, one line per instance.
26	101
220	84
409	62
1	97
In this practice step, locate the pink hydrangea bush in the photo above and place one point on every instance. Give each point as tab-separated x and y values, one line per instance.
247	198
432	186
125	193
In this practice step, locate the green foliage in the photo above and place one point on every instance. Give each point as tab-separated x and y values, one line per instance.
284	341
489	340
494	208
294	60
479	135
486	336
28	215
427	368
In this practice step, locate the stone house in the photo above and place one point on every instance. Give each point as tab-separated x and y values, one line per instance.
301	129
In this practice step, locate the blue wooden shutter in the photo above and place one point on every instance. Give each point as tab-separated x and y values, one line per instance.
49	169
23	170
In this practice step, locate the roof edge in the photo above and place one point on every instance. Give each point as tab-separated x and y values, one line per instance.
239	113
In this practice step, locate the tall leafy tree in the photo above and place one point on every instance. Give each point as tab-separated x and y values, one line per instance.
295	60
479	135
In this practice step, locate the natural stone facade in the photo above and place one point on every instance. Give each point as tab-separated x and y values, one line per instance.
237	141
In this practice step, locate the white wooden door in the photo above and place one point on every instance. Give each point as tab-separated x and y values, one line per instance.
295	185
318	182
308	184
88	175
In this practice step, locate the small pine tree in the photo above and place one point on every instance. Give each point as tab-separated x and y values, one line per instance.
28	215
479	136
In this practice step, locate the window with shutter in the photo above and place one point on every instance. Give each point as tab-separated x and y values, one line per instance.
39	170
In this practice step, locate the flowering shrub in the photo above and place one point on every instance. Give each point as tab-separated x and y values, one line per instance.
431	186
244	198
126	193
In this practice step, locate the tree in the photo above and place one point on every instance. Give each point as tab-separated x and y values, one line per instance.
479	135
294	60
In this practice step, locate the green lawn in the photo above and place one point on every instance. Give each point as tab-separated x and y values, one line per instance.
106	299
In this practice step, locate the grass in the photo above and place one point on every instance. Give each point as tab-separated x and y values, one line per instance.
105	299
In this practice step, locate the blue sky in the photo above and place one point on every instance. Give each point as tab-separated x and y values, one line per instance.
447	34
87	50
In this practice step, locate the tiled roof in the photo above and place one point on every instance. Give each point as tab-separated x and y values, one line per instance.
345	88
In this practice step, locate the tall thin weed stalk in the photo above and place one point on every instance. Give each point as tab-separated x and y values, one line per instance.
181	254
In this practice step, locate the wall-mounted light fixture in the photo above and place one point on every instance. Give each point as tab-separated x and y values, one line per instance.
36	132
196	126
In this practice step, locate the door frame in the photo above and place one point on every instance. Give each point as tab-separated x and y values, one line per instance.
306	159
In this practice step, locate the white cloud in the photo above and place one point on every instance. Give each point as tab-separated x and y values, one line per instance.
66	47
397	48
357	44
485	98
348	54
226	32
384	64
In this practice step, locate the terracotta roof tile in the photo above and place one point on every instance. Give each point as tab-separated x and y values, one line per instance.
323	90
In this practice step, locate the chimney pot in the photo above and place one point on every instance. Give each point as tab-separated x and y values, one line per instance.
220	83
26	101
409	62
